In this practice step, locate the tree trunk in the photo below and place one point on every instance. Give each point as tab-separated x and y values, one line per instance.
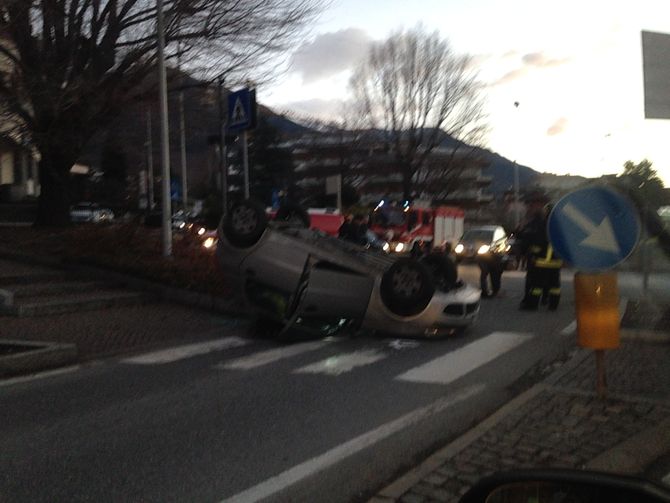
53	209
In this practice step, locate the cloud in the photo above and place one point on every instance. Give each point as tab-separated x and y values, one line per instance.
557	127
540	60
513	75
330	53
530	62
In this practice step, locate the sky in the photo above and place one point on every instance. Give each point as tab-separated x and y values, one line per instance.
574	67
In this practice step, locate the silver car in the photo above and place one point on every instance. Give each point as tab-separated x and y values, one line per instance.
295	276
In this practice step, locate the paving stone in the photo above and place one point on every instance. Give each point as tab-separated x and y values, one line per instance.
441	494
435	479
412	498
423	488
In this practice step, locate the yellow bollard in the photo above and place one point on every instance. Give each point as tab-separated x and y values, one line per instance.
597	306
597	310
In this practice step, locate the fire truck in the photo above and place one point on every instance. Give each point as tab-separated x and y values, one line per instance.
415	228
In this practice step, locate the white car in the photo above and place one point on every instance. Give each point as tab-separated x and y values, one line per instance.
90	212
294	276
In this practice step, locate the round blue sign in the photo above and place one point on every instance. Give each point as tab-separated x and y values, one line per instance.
594	228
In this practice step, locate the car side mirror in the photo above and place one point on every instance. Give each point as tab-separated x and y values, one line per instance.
564	486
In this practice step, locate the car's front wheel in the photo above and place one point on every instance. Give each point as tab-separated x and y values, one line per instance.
406	287
245	223
442	268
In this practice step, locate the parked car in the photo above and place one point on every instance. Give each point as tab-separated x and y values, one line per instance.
481	241
292	274
90	212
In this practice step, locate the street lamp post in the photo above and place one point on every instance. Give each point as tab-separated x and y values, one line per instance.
165	133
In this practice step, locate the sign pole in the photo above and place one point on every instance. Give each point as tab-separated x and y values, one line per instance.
601	378
245	160
222	149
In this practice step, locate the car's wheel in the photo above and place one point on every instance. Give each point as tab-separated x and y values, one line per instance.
406	287
293	214
245	223
442	269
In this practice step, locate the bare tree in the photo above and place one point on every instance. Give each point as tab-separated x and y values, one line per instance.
69	66
418	93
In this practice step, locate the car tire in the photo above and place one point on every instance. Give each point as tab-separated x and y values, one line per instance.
293	214
406	287
245	223
443	270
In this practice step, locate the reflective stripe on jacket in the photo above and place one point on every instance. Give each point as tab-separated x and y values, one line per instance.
549	261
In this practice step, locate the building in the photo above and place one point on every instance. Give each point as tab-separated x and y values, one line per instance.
450	175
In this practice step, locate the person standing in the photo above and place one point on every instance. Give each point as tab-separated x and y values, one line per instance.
346	229
543	265
490	266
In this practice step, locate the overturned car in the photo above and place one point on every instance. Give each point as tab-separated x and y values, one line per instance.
296	276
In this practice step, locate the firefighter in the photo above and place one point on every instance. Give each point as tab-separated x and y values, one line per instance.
543	274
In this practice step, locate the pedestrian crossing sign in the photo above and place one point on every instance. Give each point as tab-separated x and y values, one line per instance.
242	110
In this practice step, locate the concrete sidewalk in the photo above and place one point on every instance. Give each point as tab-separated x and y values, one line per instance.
560	422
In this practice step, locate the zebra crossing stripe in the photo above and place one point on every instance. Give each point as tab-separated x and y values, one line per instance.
456	364
266	357
342	363
187	351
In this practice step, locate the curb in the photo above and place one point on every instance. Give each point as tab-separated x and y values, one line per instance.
44	355
396	489
656	439
633	455
178	295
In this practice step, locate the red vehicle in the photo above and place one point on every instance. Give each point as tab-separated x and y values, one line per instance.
327	220
413	228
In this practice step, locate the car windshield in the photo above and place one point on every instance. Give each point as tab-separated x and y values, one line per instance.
389	216
333	251
481	235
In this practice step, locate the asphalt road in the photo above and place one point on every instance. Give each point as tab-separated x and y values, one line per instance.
247	419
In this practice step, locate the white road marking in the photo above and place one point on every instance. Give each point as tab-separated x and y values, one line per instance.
623	305
265	357
329	458
570	328
39	375
449	367
401	344
187	351
666	480
339	364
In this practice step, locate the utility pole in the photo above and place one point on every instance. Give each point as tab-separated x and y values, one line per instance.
182	137
150	162
517	215
223	168
165	133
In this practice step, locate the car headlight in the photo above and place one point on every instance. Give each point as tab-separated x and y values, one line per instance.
483	249
399	247
201	231
386	247
182	225
459	248
208	243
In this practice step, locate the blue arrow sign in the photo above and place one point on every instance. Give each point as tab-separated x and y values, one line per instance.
594	228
